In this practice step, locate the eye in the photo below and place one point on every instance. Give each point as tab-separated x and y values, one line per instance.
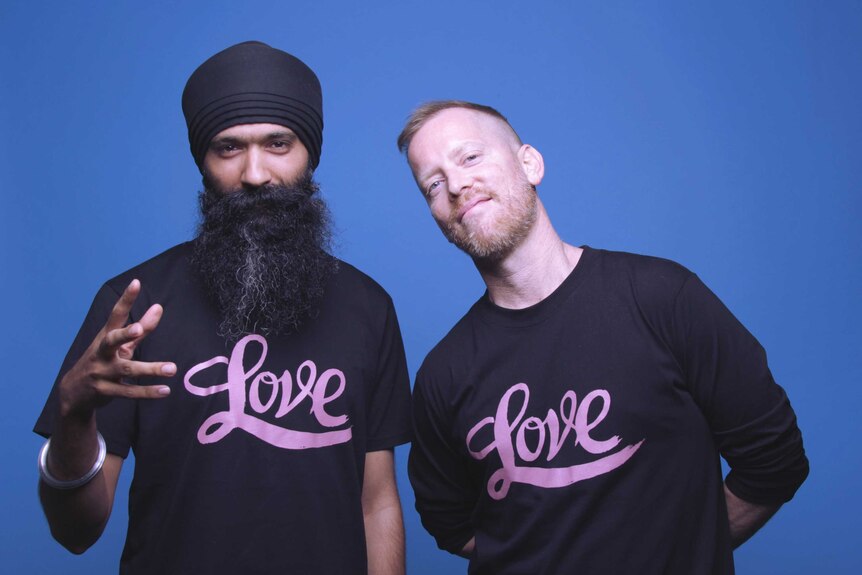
281	143
433	187
225	149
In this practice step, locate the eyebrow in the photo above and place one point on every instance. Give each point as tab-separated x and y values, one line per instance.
460	149
451	155
287	135
282	135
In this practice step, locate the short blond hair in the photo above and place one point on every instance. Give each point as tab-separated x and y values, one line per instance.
420	116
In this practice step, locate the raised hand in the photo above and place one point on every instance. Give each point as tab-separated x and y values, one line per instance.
99	374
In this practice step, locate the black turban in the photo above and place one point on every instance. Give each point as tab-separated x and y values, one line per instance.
252	83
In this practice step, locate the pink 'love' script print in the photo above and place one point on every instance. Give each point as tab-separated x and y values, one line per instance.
244	388
510	438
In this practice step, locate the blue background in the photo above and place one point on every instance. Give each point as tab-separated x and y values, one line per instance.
727	137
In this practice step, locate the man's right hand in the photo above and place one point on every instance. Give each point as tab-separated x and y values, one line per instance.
98	375
78	516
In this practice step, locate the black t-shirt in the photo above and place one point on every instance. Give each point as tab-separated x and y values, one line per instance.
582	434
255	462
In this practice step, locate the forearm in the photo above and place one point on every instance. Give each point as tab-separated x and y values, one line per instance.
384	535
381	508
77	516
467	550
745	518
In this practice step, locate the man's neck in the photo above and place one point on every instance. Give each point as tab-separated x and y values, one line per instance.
533	270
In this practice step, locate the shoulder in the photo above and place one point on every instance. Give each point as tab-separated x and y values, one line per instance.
349	277
354	287
154	269
453	353
353	300
163	278
643	269
648	279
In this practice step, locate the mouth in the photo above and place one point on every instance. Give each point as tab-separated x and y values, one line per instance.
470	204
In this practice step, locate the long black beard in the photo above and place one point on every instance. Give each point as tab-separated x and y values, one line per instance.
262	254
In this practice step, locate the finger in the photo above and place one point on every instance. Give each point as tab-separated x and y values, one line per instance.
117	337
151	318
120	312
126	368
131	391
149	322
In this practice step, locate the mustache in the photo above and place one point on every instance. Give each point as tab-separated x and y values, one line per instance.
271	198
466	201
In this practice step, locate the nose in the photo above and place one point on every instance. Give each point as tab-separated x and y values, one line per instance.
255	171
458	182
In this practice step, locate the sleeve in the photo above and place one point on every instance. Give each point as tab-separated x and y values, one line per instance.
115	421
750	416
389	409
445	493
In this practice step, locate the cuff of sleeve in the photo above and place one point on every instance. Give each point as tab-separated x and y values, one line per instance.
776	489
388	442
455	546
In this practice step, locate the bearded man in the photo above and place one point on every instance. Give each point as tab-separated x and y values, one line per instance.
260	382
573	419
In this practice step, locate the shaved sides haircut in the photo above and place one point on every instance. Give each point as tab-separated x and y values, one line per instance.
428	110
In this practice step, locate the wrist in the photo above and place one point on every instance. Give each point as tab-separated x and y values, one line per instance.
51	480
71	408
74	441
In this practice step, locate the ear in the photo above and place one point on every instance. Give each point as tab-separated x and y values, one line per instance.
532	163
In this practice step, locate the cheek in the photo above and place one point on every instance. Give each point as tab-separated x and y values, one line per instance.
221	174
290	169
441	211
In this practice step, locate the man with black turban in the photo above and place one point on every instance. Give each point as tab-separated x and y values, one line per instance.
260	382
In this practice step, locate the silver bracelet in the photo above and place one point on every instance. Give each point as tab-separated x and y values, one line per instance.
52	481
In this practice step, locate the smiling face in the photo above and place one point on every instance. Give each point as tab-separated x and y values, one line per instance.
478	180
